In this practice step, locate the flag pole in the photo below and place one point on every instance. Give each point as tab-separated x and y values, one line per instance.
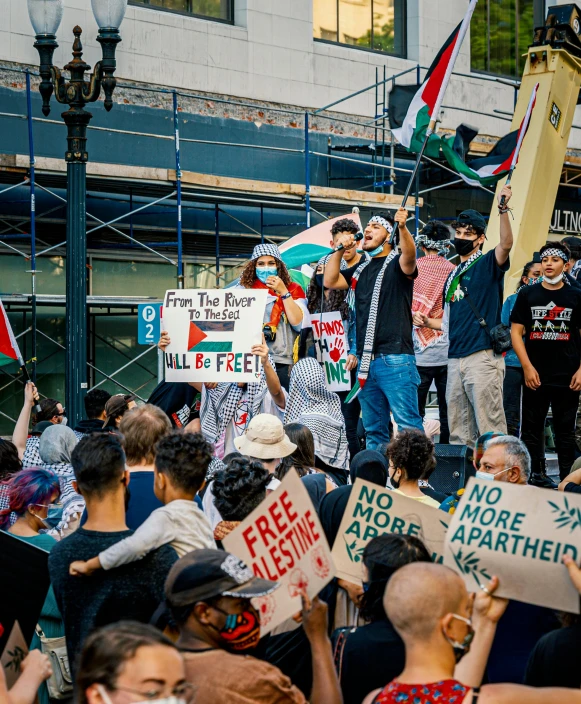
521	135
440	99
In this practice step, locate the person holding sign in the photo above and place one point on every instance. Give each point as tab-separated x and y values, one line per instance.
285	307
227	408
548	316
383	289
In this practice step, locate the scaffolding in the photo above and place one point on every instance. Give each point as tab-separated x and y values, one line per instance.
161	191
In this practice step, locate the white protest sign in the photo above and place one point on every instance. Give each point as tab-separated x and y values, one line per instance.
331	349
212	333
373	510
282	540
520	534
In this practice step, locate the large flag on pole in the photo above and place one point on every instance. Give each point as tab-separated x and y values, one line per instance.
502	160
9	350
426	103
312	244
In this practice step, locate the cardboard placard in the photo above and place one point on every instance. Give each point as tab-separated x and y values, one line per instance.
373	510
331	349
282	540
24	583
520	534
15	651
212	332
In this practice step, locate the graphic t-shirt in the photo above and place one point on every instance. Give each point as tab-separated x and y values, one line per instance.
552	320
393	334
180	401
484	282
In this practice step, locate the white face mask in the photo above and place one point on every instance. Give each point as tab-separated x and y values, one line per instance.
162	700
555	280
490	477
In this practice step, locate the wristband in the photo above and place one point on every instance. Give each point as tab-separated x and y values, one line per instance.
285	296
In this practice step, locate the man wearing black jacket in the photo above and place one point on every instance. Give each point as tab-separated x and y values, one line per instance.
95	401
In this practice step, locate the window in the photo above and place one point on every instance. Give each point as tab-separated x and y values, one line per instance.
370	24
221	10
500	33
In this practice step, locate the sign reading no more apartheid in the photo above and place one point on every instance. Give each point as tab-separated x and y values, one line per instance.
212	332
520	534
282	540
373	510
331	349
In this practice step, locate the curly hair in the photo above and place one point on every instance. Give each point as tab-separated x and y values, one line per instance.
248	276
412	452
240	488
184	458
383	556
337	300
303	458
344	225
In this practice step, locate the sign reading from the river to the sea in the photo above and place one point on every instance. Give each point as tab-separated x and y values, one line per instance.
212	333
373	510
520	534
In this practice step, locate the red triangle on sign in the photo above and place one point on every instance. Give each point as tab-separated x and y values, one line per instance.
195	337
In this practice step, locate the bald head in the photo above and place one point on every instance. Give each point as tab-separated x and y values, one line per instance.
419	595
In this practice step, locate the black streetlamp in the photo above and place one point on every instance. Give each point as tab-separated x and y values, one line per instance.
45	17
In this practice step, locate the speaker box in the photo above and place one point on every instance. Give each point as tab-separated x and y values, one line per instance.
453	468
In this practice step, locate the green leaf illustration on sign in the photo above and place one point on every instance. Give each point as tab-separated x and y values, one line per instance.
355	553
470	565
17	656
566	516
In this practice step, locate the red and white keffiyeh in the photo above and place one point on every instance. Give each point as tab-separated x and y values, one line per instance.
433	271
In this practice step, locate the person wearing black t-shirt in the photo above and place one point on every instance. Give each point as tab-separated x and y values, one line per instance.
382	292
548	315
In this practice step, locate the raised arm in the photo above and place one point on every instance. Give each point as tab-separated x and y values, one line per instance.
21	428
407	261
272	380
326	689
163	343
502	249
332	276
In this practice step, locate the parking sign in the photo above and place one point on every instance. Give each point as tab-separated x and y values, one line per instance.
148	323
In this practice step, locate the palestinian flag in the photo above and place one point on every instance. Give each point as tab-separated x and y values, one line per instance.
302	276
312	244
9	351
488	170
427	101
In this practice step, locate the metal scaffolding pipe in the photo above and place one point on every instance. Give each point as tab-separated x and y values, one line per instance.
178	189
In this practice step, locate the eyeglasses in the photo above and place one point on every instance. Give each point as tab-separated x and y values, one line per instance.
184	690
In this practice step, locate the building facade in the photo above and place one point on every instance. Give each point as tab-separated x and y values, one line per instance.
244	82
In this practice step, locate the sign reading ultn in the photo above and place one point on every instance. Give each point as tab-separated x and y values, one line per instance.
212	333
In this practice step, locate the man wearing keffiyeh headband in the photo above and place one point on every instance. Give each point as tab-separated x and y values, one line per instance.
380	292
545	324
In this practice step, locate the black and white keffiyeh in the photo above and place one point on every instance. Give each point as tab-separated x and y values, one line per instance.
428	243
265	250
325	259
555	252
313	405
219	405
369	341
380	220
31	457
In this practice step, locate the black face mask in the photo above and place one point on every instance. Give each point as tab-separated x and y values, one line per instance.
463	247
319	279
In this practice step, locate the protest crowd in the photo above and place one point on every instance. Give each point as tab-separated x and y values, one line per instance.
191	539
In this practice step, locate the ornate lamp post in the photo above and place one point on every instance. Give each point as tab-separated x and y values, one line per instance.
45	17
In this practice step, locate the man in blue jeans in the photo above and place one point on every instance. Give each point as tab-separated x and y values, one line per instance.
381	291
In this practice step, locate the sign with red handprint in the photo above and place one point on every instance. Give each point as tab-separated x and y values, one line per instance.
330	335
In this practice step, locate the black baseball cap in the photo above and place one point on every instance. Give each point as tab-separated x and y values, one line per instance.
471	218
205	574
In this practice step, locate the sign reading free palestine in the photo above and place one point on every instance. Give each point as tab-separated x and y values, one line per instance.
520	534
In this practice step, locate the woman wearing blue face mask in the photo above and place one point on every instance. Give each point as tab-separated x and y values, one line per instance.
286	305
33	496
